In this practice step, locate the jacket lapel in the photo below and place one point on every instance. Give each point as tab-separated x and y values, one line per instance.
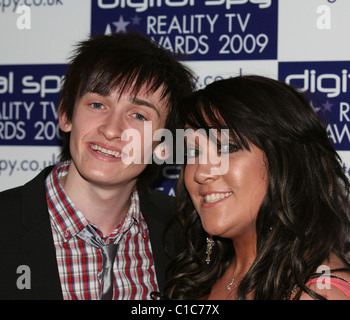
156	210
37	243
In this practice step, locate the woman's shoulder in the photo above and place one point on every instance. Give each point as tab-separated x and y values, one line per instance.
331	280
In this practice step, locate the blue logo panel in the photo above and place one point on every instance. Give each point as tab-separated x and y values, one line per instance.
327	87
200	29
28	104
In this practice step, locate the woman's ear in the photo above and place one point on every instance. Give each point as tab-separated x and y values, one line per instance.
63	121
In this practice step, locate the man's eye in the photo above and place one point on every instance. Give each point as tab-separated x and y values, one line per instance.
228	148
96	105
192	152
139	116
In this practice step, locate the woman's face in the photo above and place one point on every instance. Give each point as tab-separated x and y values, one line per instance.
227	201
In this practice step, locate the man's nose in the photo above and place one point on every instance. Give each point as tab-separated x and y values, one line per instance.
112	126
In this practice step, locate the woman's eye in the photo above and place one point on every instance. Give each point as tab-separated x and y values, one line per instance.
96	105
228	148
139	116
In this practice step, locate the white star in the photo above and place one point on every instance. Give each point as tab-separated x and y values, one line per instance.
121	24
315	109
327	106
136	20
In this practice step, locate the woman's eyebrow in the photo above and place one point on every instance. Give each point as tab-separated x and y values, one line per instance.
145	103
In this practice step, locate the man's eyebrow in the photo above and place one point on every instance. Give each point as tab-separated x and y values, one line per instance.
142	102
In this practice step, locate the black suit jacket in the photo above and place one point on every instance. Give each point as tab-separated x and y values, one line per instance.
26	239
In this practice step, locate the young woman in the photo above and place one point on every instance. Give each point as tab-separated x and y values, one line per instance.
276	224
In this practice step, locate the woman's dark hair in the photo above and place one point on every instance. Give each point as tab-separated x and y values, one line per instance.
127	61
305	214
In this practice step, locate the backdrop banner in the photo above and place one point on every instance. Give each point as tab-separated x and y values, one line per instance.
300	42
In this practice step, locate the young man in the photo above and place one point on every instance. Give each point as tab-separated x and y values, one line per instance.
88	228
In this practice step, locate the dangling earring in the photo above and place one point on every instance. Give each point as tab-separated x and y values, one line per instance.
210	245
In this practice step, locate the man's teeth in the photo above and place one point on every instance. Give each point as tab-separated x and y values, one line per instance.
105	151
209	198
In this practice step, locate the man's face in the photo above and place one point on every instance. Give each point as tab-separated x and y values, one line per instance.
96	130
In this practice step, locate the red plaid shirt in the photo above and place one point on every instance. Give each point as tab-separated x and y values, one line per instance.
80	264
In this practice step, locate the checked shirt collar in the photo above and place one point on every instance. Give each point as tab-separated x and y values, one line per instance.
69	221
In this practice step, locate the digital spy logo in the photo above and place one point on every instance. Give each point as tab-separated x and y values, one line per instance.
199	29
327	87
147	4
28	104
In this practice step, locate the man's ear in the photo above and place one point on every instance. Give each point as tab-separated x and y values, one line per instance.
63	121
162	152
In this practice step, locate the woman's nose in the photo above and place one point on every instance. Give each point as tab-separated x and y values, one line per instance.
205	173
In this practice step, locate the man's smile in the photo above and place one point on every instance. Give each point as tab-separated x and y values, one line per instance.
105	151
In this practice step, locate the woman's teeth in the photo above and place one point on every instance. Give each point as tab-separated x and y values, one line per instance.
104	151
210	198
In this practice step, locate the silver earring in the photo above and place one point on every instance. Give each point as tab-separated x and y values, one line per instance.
210	245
